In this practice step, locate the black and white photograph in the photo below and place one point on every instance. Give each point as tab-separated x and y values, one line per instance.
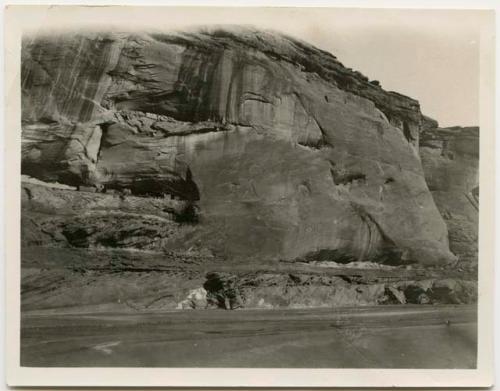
257	188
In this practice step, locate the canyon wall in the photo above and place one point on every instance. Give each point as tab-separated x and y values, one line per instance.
275	148
450	158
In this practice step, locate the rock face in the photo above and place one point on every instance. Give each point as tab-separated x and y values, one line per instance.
279	150
450	158
67	218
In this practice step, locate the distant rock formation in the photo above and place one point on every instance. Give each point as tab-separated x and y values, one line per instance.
282	151
450	158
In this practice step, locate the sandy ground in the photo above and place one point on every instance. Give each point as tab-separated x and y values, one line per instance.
362	337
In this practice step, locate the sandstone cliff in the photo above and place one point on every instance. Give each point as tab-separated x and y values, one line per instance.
450	158
279	151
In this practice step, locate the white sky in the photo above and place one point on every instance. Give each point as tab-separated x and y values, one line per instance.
432	56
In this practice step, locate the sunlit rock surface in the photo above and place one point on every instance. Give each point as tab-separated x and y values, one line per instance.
281	151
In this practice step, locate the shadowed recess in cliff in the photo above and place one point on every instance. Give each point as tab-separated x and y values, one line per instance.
373	245
342	176
377	246
175	187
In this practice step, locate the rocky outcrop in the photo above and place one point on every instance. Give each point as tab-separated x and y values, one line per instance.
272	290
99	279
450	158
279	151
69	218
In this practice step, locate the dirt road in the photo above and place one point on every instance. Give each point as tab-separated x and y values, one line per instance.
362	337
